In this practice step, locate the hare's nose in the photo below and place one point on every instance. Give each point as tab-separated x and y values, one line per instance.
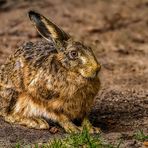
98	68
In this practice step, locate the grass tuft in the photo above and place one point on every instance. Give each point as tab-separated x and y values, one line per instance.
81	140
84	140
140	136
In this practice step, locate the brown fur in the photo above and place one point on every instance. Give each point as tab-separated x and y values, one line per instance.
41	80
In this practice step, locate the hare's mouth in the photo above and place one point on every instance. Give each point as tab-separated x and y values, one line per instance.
89	75
91	71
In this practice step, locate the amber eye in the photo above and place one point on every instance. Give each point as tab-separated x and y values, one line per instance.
73	54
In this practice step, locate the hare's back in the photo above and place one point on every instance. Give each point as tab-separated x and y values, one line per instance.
35	53
32	55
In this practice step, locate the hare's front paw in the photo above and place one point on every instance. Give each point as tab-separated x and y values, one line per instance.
71	128
92	130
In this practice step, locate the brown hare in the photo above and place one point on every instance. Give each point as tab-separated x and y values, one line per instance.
54	79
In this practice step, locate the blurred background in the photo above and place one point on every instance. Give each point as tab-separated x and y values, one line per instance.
117	30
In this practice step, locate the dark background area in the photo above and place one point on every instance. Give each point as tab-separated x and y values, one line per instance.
118	33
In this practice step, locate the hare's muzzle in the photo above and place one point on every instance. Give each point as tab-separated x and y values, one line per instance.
95	71
90	71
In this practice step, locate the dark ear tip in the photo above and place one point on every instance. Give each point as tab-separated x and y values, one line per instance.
33	14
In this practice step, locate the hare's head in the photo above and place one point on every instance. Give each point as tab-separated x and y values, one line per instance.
73	55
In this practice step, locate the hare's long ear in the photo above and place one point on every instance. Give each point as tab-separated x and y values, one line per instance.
46	28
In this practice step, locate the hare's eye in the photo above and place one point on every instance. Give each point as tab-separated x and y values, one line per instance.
73	54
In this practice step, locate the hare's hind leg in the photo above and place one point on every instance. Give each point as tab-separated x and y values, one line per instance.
8	98
24	113
37	123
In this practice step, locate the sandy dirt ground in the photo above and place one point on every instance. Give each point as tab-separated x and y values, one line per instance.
118	33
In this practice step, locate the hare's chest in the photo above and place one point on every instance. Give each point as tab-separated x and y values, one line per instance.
77	98
79	104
